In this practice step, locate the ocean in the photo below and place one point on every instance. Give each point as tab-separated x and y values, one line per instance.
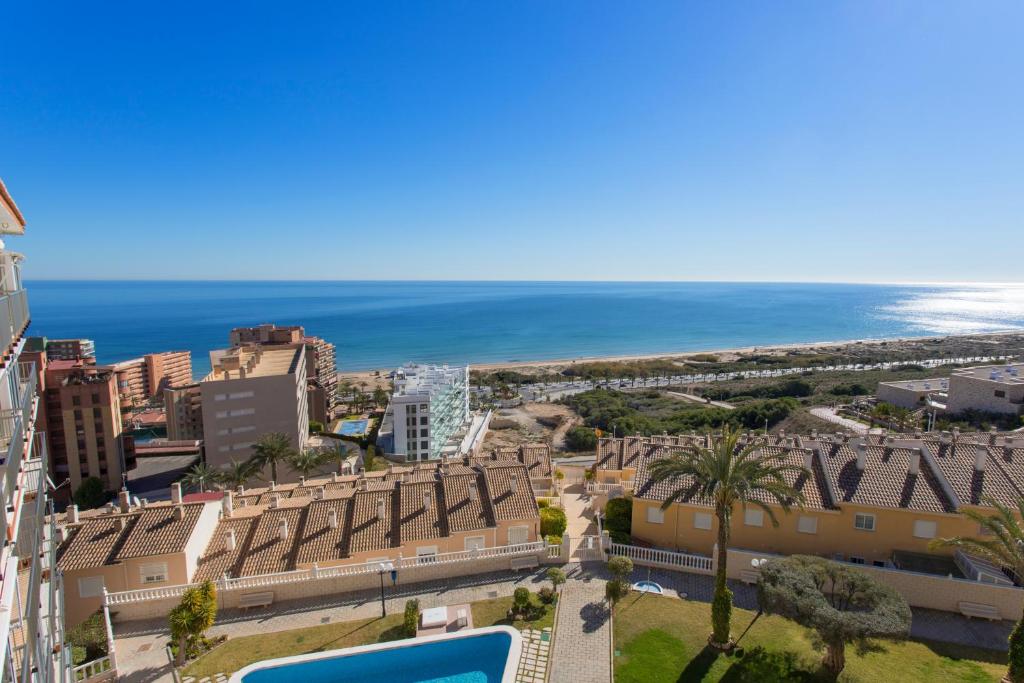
384	324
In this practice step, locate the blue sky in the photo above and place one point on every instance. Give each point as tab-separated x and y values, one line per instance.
836	141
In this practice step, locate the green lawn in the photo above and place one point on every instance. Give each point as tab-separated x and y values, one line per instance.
239	652
661	639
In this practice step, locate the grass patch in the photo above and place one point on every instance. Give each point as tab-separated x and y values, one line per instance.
662	639
494	613
240	652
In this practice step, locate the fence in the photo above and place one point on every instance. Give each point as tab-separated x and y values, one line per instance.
101	669
653	557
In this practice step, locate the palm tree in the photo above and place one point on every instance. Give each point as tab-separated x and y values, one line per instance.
727	474
380	396
192	617
309	460
1003	544
269	450
238	473
200	476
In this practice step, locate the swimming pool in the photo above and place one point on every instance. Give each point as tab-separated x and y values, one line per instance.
483	655
352	427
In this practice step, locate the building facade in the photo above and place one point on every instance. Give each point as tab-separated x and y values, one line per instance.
990	389
70	349
183	410
141	380
429	411
250	391
32	644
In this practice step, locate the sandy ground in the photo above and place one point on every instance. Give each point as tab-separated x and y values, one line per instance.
374	378
545	422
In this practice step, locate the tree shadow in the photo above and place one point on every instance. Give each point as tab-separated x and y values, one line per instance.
698	667
758	665
956	651
594	616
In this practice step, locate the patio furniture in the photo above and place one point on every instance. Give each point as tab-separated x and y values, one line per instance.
749	576
976	609
248	600
435	616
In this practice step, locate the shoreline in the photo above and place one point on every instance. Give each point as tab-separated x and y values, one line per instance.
682	355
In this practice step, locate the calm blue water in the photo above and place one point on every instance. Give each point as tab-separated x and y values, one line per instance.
352	427
383	324
475	659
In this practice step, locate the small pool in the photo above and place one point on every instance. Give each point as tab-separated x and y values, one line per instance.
483	655
352	427
648	587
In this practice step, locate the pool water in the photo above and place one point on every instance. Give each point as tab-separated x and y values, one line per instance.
647	587
352	427
478	658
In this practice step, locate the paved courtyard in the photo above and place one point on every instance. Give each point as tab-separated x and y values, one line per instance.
583	632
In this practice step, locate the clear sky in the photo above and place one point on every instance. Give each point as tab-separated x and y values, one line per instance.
838	141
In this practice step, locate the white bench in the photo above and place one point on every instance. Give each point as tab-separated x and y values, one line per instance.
977	609
527	562
248	600
749	576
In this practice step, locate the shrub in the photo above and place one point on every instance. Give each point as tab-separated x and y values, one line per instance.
552	522
315	427
543	503
615	590
556	576
581	439
620	567
1016	654
411	618
90	494
520	600
618	519
88	639
547	595
553	540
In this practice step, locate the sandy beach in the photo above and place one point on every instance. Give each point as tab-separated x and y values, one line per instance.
974	344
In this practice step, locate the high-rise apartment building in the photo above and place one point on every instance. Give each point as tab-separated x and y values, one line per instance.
141	380
31	595
69	349
321	364
430	411
250	391
183	409
83	421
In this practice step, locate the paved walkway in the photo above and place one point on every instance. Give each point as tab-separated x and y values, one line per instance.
583	632
701	400
829	415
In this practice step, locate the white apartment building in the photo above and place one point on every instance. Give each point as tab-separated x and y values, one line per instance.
253	390
32	644
985	388
430	411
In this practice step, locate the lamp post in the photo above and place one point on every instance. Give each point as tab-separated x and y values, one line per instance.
385	568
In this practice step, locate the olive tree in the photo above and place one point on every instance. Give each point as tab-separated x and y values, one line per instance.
839	603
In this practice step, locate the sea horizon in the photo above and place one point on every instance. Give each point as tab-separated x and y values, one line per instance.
379	324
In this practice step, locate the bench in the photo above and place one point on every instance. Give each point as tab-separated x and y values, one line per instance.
749	576
977	609
527	562
248	600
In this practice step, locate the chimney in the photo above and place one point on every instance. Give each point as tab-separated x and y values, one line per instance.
334	477
514	483
814	435
124	500
282	529
72	515
862	456
176	493
319	492
275	500
808	460
915	462
179	513
302	480
122	522
228	503
992	433
473	493
426	500
332	518
980	458
241	490
381	508
229	541
272	485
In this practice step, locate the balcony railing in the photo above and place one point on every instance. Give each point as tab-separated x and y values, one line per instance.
13	317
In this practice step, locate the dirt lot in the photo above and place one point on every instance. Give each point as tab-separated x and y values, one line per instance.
546	422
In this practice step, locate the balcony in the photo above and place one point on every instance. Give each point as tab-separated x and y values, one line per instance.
13	317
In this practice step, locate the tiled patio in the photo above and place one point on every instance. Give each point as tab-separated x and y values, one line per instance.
533	665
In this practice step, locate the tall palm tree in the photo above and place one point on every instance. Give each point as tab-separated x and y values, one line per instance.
269	450
200	476
238	473
727	474
1002	543
309	460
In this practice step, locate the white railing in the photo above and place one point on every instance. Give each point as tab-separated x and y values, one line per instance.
90	670
980	570
699	564
317	573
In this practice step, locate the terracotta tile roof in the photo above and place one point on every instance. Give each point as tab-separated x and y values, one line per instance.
465	512
535	456
956	463
319	542
646	488
217	559
420	512
96	542
370	531
885	480
267	552
510	491
158	531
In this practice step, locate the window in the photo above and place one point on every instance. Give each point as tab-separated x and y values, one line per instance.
424	445
864	522
412	409
241	411
655	515
924	528
76	401
424	407
423	420
241	394
474	543
426	554
518	534
424	432
701	520
856	560
807	525
155	572
90	587
1000	393
220	397
412	445
753	517
878	563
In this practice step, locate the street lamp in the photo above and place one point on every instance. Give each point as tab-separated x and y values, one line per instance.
385	568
